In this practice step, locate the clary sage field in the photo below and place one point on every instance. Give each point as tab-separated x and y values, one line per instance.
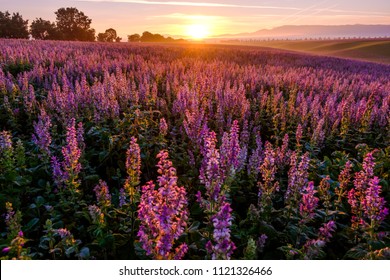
132	151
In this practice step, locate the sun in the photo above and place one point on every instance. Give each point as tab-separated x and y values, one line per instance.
197	31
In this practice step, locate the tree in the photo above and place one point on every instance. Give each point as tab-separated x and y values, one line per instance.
158	38
133	38
13	26
43	29
150	37
74	25
102	37
109	36
147	37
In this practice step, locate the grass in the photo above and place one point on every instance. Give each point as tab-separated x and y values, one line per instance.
374	50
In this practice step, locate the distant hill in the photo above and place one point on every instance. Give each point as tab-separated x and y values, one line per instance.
315	31
374	50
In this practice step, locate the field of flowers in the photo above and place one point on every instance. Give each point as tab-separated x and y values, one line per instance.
127	151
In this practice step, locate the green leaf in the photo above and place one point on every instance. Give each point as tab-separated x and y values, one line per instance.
356	253
194	227
103	155
40	201
69	251
33	206
31	224
94	178
120	239
58	224
269	230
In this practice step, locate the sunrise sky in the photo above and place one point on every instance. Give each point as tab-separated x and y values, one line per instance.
207	17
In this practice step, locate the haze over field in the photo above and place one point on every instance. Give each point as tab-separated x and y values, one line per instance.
316	31
198	19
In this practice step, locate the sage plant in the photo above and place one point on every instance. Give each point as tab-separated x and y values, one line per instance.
133	170
163	213
367	206
215	204
65	174
41	136
268	185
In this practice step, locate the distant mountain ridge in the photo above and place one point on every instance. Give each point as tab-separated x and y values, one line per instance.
315	31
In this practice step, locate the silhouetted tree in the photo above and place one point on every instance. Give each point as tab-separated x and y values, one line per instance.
73	24
133	38
13	26
147	37
43	30
158	38
102	37
150	37
109	36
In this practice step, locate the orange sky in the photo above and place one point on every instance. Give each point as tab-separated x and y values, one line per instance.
214	17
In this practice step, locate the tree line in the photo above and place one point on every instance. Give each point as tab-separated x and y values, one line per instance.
150	37
70	25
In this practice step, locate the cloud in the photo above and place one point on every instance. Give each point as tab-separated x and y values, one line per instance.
194	4
182	16
355	12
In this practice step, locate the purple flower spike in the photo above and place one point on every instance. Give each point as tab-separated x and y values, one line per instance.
231	160
58	176
163	213
211	174
309	202
163	126
6	250
5	141
298	134
223	247
71	151
372	204
327	230
66	172
133	162
103	195
297	175
256	157
367	206
262	241
122	197
41	136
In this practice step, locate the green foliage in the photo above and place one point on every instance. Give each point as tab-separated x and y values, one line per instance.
150	37
108	36
13	26
18	66
73	25
250	250
44	30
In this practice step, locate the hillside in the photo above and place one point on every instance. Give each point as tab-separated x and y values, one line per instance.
316	31
364	49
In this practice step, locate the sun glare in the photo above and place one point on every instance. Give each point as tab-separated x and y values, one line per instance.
197	31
